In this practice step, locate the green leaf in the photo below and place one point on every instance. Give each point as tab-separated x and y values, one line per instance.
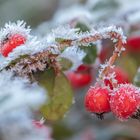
59	91
83	27
91	53
65	63
137	79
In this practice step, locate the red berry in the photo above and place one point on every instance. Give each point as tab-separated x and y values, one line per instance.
83	68
12	42
97	100
79	80
125	101
121	76
133	43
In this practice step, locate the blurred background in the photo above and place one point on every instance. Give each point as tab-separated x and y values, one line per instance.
44	15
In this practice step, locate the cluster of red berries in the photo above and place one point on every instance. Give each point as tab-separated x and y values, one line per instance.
123	101
85	74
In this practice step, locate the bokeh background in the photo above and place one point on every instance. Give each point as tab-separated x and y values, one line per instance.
77	123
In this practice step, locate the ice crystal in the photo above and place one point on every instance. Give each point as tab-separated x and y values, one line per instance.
29	48
65	32
14	28
75	55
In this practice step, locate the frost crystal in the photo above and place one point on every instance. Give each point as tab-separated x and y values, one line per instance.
14	28
75	55
65	32
29	48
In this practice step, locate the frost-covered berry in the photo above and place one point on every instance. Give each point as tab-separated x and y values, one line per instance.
97	100
79	80
11	42
125	101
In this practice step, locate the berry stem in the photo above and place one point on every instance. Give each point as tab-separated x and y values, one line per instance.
113	34
112	59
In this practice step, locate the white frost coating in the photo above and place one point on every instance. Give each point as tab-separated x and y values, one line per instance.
75	55
105	30
13	28
72	13
29	48
129	89
104	33
33	45
65	32
16	93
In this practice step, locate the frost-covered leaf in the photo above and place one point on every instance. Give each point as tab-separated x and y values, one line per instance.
91	53
60	94
13	62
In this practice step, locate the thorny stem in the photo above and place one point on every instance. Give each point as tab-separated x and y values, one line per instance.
93	38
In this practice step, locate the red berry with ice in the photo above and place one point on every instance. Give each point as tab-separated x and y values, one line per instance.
125	101
97	100
11	42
